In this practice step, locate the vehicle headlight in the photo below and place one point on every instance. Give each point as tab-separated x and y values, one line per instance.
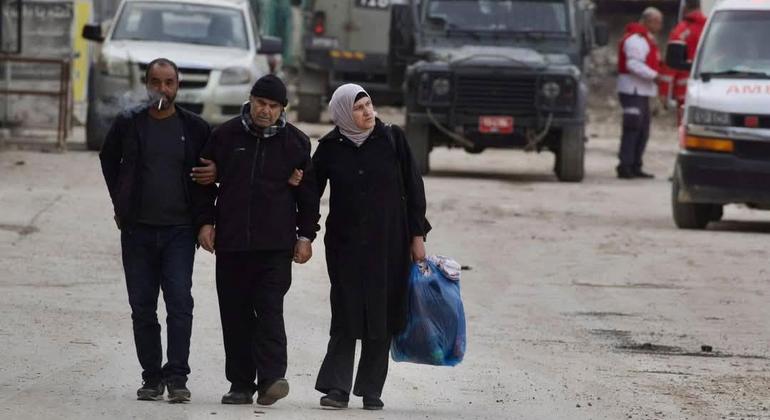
115	68
434	88
550	90
702	116
440	86
235	76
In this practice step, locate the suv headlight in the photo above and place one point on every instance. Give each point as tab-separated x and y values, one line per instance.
114	68
435	89
557	93
235	76
702	116
440	86
550	90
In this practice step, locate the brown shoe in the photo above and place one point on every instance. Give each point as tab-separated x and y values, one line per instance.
277	390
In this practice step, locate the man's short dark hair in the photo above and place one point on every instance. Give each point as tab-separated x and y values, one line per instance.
160	62
691	4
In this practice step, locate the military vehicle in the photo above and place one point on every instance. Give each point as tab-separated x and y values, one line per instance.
495	74
344	41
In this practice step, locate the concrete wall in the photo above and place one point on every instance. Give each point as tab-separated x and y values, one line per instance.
50	29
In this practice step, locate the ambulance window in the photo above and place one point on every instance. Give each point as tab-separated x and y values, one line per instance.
734	44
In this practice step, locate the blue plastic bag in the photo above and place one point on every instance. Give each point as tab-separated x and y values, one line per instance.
435	323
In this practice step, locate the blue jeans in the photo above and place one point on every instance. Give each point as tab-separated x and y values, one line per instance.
160	258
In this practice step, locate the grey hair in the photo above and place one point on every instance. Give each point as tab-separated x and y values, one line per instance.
651	12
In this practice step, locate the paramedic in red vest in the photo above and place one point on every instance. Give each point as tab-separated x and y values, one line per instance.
638	70
687	32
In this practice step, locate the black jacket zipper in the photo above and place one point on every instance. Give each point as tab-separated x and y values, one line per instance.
251	190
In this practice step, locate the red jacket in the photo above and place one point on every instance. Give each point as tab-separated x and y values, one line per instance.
653	57
674	82
688	31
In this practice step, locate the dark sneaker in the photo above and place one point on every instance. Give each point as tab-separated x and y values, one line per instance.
373	403
641	174
150	391
335	399
178	393
624	172
274	392
238	397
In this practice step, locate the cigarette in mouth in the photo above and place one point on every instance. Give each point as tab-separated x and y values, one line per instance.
160	103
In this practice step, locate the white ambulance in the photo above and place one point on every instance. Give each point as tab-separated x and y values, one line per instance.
724	138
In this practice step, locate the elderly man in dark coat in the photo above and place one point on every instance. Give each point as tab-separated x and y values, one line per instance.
376	220
262	222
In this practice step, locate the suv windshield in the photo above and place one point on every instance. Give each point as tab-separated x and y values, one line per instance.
499	15
182	23
733	46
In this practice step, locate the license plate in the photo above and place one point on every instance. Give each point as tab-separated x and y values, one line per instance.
496	124
324	42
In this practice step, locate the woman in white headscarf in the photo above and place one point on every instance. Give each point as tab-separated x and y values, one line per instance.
375	228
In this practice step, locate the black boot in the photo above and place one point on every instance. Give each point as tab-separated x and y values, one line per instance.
624	172
238	396
372	403
639	173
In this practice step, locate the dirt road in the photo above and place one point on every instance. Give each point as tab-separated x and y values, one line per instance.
583	301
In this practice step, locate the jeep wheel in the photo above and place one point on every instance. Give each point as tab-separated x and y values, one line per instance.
570	157
692	215
309	108
419	143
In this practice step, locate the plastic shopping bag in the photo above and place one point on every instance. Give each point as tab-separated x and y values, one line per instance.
435	324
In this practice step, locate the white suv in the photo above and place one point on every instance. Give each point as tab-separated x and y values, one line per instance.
215	43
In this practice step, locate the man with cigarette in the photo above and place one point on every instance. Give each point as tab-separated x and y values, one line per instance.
159	196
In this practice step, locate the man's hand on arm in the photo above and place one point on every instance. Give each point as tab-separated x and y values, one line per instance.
206	237
206	174
296	177
303	250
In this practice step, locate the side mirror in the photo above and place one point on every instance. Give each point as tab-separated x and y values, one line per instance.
270	45
93	32
601	34
676	57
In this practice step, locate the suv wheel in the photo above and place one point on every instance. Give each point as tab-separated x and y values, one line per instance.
570	157
419	143
692	215
309	108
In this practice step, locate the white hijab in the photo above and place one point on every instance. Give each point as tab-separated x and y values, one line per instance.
341	112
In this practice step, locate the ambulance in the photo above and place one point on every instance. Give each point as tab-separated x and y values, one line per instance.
724	138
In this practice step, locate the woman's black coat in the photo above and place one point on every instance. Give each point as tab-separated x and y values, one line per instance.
376	205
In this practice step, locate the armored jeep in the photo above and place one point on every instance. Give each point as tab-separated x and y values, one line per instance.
495	73
344	41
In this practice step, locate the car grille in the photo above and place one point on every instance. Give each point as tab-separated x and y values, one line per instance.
484	94
191	78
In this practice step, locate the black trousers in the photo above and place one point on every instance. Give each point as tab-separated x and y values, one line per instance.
337	368
636	131
251	287
160	258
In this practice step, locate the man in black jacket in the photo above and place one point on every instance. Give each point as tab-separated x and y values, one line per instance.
148	160
262	223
